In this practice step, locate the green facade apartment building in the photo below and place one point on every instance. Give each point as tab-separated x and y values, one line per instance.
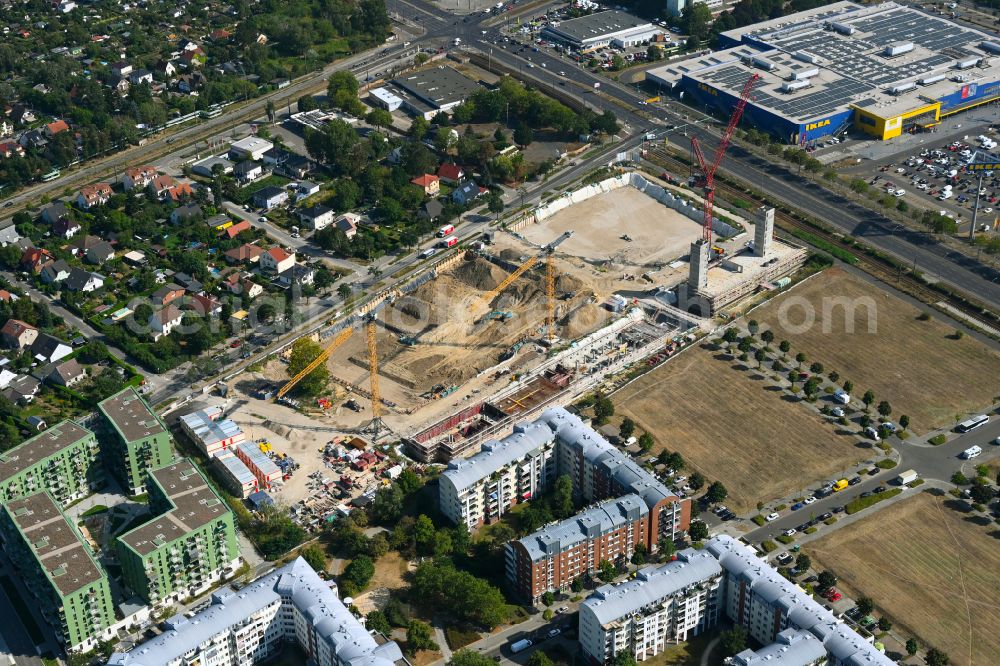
56	565
138	439
189	545
62	459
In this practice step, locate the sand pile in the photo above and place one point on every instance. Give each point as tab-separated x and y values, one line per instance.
583	320
479	274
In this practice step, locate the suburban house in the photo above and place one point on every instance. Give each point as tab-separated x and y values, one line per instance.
348	223
22	390
33	259
165	68
247	171
137	178
429	183
85	281
451	173
135	258
10	149
316	217
219	222
277	260
431	210
54	211
205	305
141	76
250	289
56	127
94	195
66	228
179	191
121	68
269	197
235	230
186	212
163	321
467	192
167	294
246	253
250	148
189	282
298	274
55	271
159	185
287	163
208	166
307	188
49	349
68	373
95	250
17	334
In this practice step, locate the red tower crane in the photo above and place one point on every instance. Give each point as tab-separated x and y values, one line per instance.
707	177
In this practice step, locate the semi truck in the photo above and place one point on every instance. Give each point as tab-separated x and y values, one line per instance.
446	230
450	241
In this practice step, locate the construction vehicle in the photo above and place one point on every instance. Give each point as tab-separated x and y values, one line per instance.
407	340
500	315
706	179
512	350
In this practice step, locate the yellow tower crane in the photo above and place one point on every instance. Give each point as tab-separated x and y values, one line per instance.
376	427
325	354
550	295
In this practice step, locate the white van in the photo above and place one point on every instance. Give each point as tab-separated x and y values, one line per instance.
971	452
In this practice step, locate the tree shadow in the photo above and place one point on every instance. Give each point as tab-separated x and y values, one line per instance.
979	519
791	397
958	505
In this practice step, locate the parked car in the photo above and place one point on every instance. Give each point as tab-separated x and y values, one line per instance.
797	506
825	516
809	500
789	532
853	481
785	558
836	596
771	517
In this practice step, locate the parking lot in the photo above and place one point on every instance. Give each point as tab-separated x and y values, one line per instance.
935	178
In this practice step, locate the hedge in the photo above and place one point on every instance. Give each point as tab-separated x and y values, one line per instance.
938	440
768	546
864	502
886	463
785	539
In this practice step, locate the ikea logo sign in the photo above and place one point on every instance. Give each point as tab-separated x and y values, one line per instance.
817	125
708	89
984	166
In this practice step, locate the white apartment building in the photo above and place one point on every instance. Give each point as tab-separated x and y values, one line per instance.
481	488
246	627
664	604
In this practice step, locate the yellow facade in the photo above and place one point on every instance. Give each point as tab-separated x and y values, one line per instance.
892	126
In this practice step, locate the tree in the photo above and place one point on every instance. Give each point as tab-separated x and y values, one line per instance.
697	481
904	421
731	335
825	580
816	368
376	621
627	427
645	442
753	326
760	356
698	530
523	135
379	118
344	291
744	345
577	584
606	571
603	410
733	641
467	657
868	398
696	19
802	562
716	492
641	554
623	658
865	606
676	461
959	479
562	497
981	493
495	204
357	574
667	548
800	358
304	351
884	409
935	657
848	387
911	646
884	623
548	598
419	637
314	556
419	128
767	336
785	346
423	534
539	658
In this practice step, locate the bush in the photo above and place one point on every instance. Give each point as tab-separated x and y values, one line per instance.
459	638
759	519
864	502
914	484
830	521
886	463
781	507
768	546
810	530
938	440
785	539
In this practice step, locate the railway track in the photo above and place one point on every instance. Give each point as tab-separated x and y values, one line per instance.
898	277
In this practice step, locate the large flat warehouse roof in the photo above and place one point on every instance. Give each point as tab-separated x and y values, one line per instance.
438	87
41	446
598	26
67	562
886	59
195	505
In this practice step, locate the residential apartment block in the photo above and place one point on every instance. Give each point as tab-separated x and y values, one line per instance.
687	596
62	459
241	628
480	489
57	567
137	437
553	557
190	544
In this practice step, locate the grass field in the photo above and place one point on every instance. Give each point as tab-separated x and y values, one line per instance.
916	365
729	426
931	569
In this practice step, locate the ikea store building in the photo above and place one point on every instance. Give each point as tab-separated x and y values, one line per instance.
883	69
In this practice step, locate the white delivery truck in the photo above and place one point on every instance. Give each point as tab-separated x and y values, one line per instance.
520	646
909	476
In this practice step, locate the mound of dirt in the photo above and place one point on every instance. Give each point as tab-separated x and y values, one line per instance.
479	274
511	254
583	320
565	282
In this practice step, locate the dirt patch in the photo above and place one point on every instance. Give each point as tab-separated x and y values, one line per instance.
732	428
659	234
932	570
915	365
